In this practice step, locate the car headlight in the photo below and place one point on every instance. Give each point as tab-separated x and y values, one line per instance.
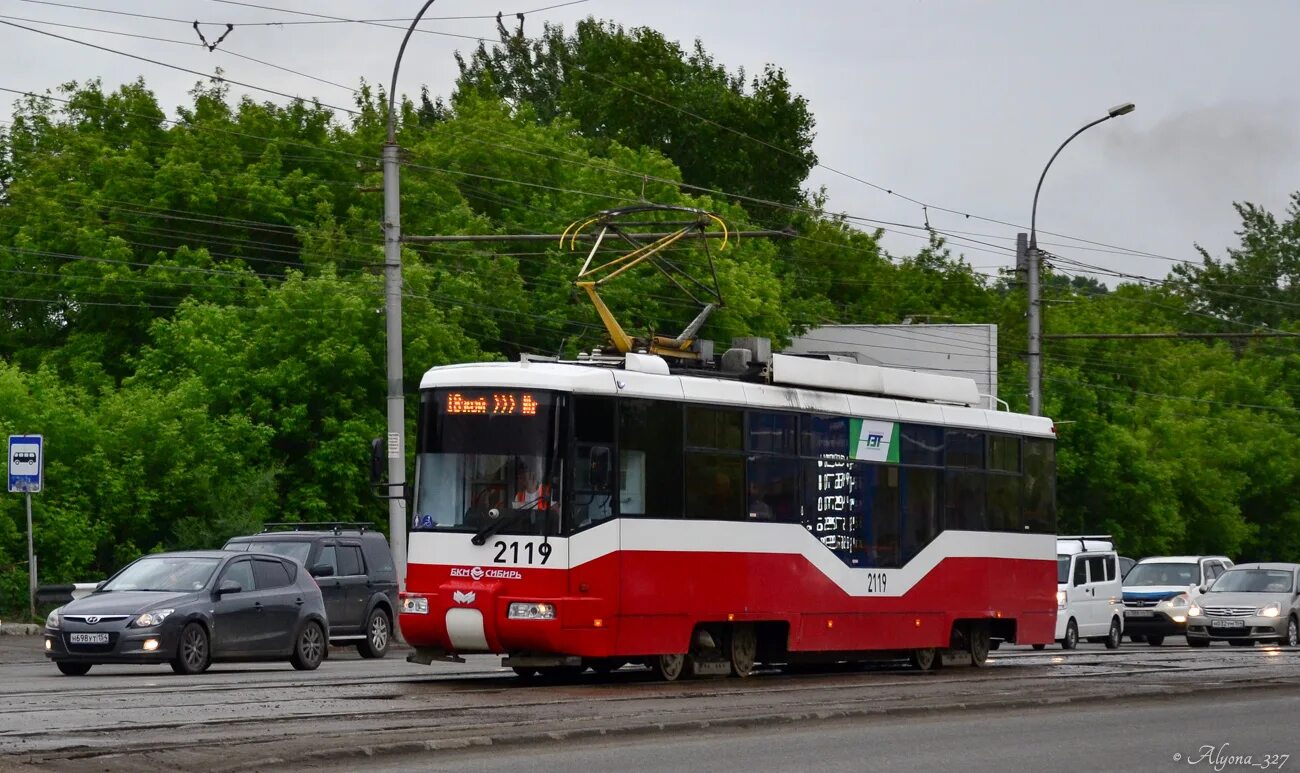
150	619
52	620
1270	610
1060	599
529	610
415	605
1180	600
1195	610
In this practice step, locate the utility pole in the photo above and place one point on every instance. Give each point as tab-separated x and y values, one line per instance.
1029	258
396	404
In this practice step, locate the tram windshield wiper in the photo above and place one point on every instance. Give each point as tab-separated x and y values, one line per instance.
500	523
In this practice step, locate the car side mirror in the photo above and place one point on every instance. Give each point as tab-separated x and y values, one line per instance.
229	586
99	586
322	570
1205	588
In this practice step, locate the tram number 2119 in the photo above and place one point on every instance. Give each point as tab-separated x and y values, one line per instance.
531	553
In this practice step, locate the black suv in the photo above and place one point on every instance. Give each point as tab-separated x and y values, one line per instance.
353	566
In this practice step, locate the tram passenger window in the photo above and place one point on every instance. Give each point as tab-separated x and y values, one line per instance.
773	489
921	496
715	486
921	445
1004	502
719	428
965	448
882	514
1039	484
593	419
774	433
1004	453
835	501
824	436
964	501
650	458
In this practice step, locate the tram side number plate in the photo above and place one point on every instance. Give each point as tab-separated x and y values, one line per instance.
1227	623
88	638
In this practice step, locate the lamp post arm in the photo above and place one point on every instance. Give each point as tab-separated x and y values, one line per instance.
392	91
1033	216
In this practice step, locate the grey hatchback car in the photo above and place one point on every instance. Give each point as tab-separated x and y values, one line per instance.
1248	603
190	609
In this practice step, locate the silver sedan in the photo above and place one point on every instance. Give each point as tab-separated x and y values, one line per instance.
1248	603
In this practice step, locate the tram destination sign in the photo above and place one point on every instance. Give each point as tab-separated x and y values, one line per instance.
493	402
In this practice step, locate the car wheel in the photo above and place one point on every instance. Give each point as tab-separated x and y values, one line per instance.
1071	639
73	669
1292	638
1155	641
309	648
193	653
378	635
1112	639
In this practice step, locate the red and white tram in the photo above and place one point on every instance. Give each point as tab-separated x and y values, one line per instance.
612	510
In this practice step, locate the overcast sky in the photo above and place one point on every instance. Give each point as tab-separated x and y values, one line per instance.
959	104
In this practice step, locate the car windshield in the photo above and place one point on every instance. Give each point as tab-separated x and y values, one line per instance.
1162	574
164	573
1254	581
1062	569
297	550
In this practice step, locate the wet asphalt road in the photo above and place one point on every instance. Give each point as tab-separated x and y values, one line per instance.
270	717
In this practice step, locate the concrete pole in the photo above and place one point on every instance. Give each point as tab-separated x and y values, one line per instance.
396	396
1033	265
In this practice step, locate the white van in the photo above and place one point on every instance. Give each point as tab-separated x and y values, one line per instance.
1089	594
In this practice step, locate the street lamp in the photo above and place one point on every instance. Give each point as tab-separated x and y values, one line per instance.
393	323
1034	263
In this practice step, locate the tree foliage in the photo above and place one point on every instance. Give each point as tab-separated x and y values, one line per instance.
192	307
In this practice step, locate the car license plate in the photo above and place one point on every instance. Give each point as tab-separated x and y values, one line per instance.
88	638
1227	623
1139	613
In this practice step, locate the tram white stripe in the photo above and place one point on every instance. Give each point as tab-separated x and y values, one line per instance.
687	536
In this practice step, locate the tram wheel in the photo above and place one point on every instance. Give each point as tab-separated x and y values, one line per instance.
927	659
977	643
668	668
742	649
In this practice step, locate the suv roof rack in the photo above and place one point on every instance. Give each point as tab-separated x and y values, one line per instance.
335	526
1084	539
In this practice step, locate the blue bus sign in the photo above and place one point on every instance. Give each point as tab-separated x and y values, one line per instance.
26	463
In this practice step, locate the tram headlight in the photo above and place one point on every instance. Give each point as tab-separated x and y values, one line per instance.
415	605
531	610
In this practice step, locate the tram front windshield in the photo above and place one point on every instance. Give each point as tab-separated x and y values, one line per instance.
488	456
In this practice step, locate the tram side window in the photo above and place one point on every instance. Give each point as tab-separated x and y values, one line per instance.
593	419
824	437
719	428
964	501
922	498
882	519
965	448
774	433
1003	502
921	445
1039	486
715	486
650	458
773	489
1004	453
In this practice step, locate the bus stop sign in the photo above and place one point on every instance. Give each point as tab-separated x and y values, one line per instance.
26	463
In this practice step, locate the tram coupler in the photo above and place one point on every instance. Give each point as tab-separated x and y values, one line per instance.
425	656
